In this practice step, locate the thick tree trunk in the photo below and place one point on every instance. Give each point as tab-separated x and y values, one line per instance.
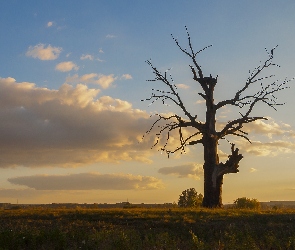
212	183
213	170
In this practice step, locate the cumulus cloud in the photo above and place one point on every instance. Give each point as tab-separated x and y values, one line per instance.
269	128
105	81
90	57
42	52
126	77
88	78
67	127
49	24
182	86
189	170
272	148
66	66
88	181
279	138
87	56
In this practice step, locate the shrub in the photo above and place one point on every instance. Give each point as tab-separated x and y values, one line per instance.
190	198
247	203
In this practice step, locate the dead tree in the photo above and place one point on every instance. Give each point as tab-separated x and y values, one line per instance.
205	132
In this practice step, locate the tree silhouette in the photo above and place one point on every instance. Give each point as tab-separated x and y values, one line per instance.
205	132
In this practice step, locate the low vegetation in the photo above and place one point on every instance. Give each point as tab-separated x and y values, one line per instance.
247	203
190	198
138	228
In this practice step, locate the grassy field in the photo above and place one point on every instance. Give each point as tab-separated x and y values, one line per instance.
136	228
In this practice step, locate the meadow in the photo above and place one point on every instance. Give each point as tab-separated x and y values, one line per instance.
153	228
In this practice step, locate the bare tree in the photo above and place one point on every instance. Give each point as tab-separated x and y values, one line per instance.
205	132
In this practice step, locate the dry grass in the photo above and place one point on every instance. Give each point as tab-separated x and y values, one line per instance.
139	228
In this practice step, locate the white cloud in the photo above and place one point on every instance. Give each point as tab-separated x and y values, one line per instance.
279	138
87	56
110	36
105	81
88	181
42	52
182	86
126	77
88	78
100	60
68	127
100	51
72	79
272	148
49	24
268	127
66	66
189	170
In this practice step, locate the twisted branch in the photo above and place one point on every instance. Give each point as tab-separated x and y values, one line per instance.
230	166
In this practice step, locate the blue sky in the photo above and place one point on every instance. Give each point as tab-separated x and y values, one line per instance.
72	77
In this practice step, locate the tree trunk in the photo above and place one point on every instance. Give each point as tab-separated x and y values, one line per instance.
212	183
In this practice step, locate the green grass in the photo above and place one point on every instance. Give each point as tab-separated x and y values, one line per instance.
147	229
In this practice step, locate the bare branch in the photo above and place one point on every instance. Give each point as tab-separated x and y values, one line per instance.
192	54
265	94
183	143
234	127
175	122
170	124
167	95
230	166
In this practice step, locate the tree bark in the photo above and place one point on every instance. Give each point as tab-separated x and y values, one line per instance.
212	182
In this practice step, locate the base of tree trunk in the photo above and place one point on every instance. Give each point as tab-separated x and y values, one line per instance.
213	194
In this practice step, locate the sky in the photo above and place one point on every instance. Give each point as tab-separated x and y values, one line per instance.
72	77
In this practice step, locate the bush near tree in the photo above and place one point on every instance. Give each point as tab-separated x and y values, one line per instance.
247	203
190	198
